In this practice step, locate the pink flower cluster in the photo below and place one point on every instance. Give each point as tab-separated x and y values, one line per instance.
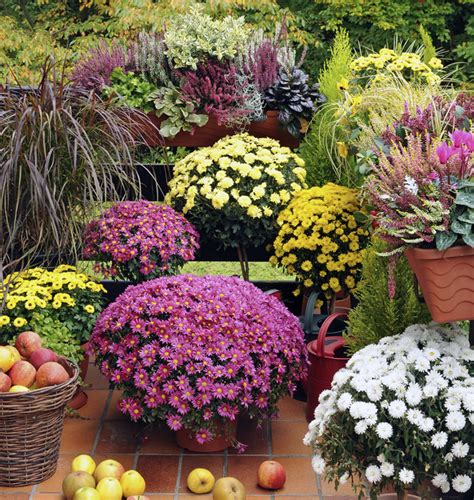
137	240
195	351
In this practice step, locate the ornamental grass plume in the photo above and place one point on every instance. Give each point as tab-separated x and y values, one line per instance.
138	240
198	351
399	414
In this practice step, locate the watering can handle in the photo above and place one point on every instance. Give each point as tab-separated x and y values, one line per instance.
324	330
309	312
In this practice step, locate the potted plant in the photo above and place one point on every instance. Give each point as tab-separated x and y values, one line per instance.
61	305
399	415
197	352
234	190
139	240
424	196
201	79
321	240
60	147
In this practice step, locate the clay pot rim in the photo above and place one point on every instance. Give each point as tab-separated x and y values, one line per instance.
434	254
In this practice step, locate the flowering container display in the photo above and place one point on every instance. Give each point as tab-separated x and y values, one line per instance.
400	415
424	199
202	78
196	352
138	240
234	191
320	240
60	305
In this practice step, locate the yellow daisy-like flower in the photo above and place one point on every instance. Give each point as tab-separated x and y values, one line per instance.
306	265
89	308
4	320
343	84
435	63
19	322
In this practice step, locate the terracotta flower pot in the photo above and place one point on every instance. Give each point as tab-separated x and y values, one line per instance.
80	398
221	442
84	364
270	127
447	281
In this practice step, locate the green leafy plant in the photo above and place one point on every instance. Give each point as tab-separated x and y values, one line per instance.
55	335
387	301
180	112
132	89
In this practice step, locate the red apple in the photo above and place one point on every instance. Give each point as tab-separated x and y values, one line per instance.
42	356
22	373
27	343
271	475
5	382
51	373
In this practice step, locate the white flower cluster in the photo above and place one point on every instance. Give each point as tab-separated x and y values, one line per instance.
410	398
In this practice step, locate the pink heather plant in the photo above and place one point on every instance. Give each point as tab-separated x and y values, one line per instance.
414	189
138	240
197	351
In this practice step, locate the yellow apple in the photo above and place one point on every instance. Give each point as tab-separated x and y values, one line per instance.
200	481
7	359
83	462
15	353
108	468
109	489
228	488
86	494
132	483
18	388
76	480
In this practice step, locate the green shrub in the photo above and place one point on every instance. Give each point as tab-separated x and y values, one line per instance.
376	314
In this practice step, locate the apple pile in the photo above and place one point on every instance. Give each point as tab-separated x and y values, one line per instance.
106	481
271	475
28	366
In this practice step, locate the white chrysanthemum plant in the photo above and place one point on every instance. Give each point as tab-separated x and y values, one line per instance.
400	415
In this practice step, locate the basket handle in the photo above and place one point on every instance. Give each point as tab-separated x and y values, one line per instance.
324	330
309	312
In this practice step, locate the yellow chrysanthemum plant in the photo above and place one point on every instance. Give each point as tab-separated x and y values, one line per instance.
233	191
61	305
320	239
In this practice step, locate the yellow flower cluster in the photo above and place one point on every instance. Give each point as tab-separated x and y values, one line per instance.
254	175
38	288
408	64
320	239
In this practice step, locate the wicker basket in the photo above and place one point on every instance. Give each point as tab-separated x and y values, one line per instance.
31	425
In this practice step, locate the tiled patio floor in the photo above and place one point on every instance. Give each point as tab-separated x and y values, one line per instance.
104	432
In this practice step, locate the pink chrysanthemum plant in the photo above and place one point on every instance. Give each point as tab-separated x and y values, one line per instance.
195	352
423	194
139	240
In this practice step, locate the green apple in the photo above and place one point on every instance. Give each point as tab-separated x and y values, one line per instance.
228	488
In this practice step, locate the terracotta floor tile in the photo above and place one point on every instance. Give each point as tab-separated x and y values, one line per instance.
287	438
118	436
160	472
244	468
290	409
329	489
113	413
95	404
16	489
54	483
159	439
215	464
48	496
14	496
161	496
300	477
95	379
255	438
125	460
78	435
190	496
342	497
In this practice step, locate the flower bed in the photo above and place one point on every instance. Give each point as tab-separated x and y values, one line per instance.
195	351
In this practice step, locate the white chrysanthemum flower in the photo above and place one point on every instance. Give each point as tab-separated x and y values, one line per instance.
471	418
426	424
455	421
468	401
414	354
413	394
439	440
344	478
387	469
439	479
341	377
452	403
430	391
344	401
384	430
422	364
460	449
308	438
374	390
318	464
397	408
373	474
462	483
381	458
449	457
361	427
406	476
431	353
361	409
415	416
